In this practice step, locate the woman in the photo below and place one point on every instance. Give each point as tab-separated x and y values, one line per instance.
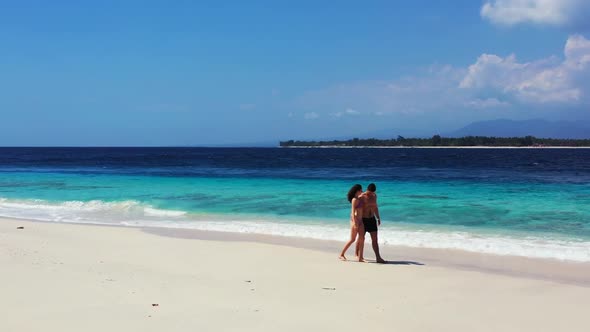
356	222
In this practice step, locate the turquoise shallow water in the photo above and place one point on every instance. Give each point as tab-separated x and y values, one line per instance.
536	208
544	216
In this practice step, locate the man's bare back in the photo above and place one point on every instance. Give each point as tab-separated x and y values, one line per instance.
370	204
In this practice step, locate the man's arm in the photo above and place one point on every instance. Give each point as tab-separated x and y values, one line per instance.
377	212
377	215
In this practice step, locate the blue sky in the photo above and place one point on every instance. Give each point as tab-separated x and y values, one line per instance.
207	73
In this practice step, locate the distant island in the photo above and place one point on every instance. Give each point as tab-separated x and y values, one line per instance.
438	141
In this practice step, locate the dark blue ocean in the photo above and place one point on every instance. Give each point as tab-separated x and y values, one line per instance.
526	202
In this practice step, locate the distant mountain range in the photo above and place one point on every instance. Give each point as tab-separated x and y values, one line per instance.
512	128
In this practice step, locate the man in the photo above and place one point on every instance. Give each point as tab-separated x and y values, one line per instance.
371	218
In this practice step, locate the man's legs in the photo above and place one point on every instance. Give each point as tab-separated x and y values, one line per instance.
375	243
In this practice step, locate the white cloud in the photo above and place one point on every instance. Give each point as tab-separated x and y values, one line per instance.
577	52
553	12
348	111
503	85
311	116
433	89
486	103
543	81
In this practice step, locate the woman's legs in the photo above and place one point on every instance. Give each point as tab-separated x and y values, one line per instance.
361	242
353	233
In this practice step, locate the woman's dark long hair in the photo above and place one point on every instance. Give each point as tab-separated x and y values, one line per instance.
352	192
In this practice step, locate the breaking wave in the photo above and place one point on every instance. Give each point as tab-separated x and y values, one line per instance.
137	214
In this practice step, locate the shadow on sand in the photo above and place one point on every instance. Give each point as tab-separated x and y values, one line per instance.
398	263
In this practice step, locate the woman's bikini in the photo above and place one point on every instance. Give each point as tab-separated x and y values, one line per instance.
359	205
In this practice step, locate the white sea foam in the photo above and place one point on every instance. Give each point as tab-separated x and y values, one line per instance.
149	211
91	211
132	213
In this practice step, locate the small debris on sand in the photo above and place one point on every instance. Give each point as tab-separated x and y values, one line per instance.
20	227
155	304
328	288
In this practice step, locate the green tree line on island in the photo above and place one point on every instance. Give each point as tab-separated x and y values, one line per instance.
437	140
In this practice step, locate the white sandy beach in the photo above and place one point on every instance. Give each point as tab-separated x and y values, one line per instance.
67	277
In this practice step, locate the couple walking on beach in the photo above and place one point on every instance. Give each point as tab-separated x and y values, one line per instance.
364	217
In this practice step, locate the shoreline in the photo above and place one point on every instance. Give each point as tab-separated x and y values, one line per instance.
494	241
568	272
432	147
562	271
